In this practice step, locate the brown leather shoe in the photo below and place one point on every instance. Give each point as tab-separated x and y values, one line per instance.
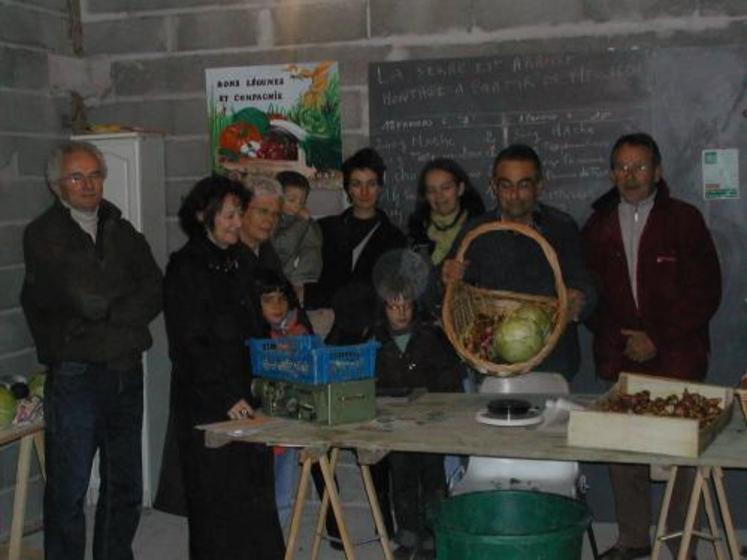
618	552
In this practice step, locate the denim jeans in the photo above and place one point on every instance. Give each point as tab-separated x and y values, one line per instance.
286	474
89	407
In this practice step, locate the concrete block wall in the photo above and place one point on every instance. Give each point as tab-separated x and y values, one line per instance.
32	119
156	52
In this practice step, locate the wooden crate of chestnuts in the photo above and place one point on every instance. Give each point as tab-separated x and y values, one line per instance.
653	415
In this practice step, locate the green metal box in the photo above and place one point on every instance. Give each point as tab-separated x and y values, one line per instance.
333	403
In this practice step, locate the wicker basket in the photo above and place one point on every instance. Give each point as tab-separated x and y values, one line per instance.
464	302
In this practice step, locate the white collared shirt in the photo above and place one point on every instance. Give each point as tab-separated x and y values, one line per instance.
633	218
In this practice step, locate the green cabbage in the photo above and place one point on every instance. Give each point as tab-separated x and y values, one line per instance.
537	314
517	339
7	407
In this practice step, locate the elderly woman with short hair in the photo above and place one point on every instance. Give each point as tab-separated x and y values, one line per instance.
259	223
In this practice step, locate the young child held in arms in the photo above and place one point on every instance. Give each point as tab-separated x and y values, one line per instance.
297	239
413	354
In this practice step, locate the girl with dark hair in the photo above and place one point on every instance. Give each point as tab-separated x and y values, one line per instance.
445	201
283	316
210	311
280	307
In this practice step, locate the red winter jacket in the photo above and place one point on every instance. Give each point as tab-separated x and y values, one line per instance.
679	287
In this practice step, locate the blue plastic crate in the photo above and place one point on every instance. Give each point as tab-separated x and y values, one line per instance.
305	359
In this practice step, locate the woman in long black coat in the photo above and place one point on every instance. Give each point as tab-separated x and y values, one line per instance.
209	314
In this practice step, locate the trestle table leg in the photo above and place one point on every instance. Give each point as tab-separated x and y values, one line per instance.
373	501
731	538
692	510
19	499
323	508
334	499
661	526
39	447
716	541
302	490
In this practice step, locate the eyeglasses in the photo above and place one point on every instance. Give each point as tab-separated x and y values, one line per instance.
399	306
265	212
506	185
78	179
625	168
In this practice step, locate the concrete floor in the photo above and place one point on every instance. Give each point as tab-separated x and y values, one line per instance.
164	537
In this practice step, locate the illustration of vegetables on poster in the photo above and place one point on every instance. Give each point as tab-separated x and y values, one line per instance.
266	119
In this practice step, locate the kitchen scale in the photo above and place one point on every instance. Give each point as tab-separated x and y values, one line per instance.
507	412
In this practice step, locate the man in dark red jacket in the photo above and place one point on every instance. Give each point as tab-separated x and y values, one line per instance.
660	284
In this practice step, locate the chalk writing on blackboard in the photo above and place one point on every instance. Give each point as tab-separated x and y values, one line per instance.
569	107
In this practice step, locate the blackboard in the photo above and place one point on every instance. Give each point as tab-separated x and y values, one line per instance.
567	106
571	107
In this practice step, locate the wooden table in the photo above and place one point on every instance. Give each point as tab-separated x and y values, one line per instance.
445	423
30	435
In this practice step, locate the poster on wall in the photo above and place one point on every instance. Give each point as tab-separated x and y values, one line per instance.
284	117
720	174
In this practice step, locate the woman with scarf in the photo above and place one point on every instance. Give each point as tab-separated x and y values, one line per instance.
445	201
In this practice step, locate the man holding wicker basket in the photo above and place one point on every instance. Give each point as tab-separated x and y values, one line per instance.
507	260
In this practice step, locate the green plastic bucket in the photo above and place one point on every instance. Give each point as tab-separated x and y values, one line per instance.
510	525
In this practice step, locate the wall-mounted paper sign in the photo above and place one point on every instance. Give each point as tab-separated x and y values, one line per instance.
720	174
283	117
